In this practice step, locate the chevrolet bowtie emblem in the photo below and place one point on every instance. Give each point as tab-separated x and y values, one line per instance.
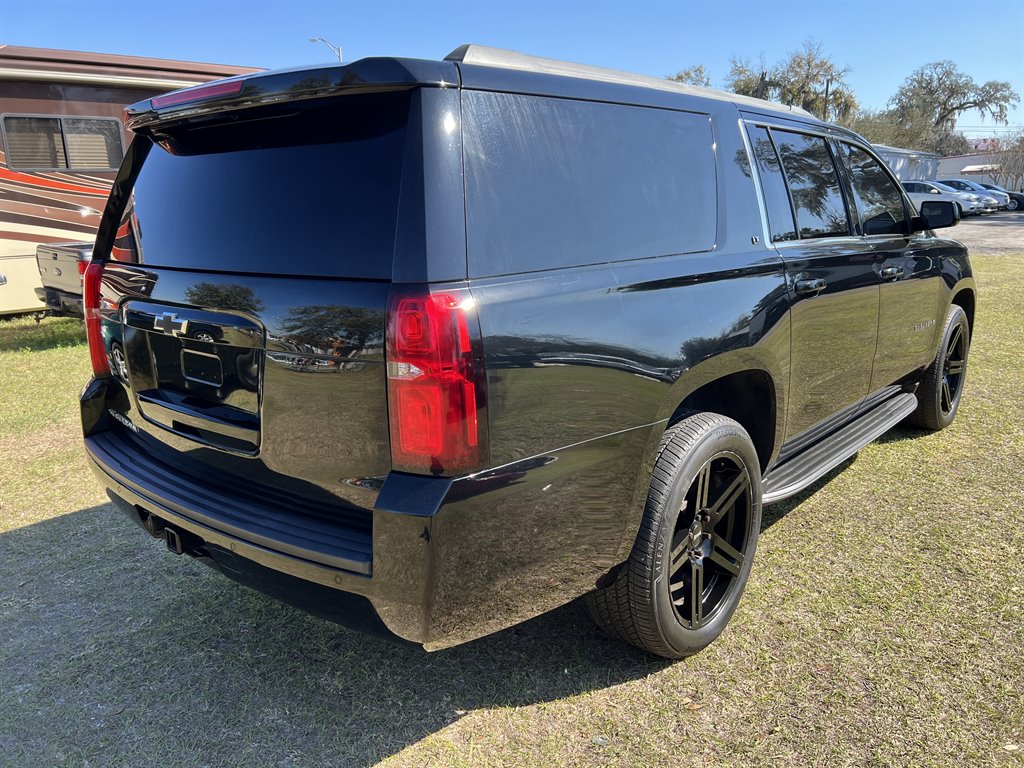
169	323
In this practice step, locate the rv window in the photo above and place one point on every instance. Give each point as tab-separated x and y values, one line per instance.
40	143
92	143
34	142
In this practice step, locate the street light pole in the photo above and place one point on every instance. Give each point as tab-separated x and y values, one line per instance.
335	49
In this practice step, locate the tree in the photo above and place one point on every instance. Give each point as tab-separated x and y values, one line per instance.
1009	159
333	327
940	93
949	143
224	296
807	78
910	130
695	75
748	80
922	114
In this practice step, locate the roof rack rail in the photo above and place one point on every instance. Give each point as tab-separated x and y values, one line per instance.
485	56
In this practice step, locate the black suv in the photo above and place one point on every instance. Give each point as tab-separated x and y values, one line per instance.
435	347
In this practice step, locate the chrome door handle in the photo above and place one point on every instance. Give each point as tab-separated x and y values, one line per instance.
890	272
810	287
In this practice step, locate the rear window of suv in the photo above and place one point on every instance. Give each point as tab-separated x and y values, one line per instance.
308	191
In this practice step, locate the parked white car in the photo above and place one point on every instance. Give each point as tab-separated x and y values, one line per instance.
967	202
967	185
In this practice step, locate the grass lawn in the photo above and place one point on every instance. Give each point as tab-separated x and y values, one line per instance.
883	624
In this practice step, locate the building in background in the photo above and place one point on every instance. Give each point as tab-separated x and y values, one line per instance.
982	167
61	142
909	164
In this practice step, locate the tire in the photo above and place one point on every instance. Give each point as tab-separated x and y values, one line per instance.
942	385
1013	205
117	358
706	464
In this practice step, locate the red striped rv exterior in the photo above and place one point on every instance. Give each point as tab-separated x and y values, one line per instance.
60	201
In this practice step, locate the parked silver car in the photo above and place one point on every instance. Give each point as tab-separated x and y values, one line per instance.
967	202
967	185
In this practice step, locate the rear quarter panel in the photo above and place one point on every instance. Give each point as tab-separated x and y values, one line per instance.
585	367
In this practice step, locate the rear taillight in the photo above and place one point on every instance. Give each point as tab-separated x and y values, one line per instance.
435	392
93	322
82	264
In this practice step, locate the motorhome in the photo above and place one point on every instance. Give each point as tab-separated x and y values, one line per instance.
61	142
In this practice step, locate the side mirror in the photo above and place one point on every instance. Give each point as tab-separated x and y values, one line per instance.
935	214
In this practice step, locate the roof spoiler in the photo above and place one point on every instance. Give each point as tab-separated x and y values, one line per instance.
280	86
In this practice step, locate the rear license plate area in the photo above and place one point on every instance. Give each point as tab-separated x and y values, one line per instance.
196	372
202	367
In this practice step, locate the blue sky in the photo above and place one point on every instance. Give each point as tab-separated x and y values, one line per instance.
882	42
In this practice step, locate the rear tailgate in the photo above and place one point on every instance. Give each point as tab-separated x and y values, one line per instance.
245	301
61	266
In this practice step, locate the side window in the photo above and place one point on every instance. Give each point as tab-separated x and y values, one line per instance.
878	199
912	187
92	143
773	184
59	143
556	183
34	142
813	185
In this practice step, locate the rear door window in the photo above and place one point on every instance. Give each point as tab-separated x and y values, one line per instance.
556	183
879	201
813	185
773	184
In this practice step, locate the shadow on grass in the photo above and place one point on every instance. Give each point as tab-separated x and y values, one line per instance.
112	651
23	333
900	433
772	514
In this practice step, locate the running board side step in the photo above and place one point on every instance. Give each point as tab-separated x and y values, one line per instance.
803	469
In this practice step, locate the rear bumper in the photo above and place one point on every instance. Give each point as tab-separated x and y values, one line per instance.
61	302
436	561
316	581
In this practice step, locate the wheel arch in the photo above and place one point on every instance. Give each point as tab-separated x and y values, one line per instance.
747	397
739	385
965	299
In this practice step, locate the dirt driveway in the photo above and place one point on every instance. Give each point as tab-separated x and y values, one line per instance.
1001	232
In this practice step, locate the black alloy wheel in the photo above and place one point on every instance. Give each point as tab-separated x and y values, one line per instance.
954	364
942	384
707	546
693	552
